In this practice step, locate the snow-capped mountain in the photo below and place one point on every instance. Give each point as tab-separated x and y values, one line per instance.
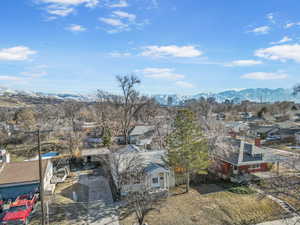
59	96
236	96
253	94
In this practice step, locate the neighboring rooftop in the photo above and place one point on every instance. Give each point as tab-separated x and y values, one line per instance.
140	130
94	151
21	172
244	153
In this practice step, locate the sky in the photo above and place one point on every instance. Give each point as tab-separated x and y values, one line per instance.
173	46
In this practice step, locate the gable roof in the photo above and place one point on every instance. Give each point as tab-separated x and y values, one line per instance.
287	131
153	166
147	159
140	130
21	172
243	153
263	129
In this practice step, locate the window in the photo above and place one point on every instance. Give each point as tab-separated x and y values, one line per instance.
256	166
155	180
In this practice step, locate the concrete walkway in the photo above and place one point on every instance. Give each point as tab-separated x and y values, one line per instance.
284	205
101	209
290	221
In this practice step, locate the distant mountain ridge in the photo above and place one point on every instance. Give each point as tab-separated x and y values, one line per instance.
57	96
252	94
236	96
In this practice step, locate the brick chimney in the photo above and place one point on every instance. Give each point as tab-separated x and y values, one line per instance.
257	142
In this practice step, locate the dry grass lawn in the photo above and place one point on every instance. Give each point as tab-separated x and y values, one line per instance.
63	210
216	208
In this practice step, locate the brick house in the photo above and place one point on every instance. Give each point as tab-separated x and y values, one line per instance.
242	160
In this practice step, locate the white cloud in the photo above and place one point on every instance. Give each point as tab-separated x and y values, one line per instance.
34	74
65	7
113	22
120	54
270	17
280	52
87	3
264	76
244	63
10	78
261	30
289	25
60	12
161	73
171	50
35	71
76	28
122	21
184	84
125	15
120	4
17	53
283	40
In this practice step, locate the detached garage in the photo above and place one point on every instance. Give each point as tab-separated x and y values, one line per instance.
23	177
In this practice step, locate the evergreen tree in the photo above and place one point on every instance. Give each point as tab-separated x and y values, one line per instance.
107	138
187	148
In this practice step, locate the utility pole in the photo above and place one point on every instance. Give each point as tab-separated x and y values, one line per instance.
41	176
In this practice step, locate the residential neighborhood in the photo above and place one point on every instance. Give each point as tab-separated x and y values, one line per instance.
149	112
96	175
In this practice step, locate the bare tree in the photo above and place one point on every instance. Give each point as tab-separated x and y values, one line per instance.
296	89
129	103
26	118
142	202
123	169
71	112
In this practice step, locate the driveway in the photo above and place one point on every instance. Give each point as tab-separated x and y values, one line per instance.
101	209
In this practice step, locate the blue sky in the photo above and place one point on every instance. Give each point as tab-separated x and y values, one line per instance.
174	46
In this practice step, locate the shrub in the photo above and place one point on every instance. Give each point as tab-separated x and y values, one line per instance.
241	190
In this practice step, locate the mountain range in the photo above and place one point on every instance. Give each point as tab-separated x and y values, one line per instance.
235	96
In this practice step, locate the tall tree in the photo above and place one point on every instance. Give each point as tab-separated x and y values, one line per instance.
296	89
71	113
187	148
131	102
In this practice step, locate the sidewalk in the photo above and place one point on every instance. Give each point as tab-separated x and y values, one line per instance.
290	221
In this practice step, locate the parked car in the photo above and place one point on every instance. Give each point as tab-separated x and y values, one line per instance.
1	209
18	214
26	199
1	206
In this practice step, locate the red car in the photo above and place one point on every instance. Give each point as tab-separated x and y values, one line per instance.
18	214
20	210
27	199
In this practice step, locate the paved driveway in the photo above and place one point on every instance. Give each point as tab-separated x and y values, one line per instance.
101	210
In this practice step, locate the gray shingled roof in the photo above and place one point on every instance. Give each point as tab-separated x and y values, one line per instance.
248	154
140	130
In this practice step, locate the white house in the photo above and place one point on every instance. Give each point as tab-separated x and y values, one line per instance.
141	135
155	174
